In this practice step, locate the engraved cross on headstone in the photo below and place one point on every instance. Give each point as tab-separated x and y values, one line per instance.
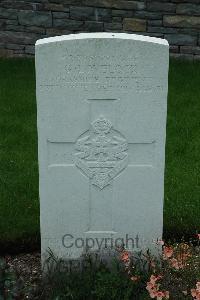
101	153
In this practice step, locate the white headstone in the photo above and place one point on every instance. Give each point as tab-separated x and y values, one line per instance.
102	104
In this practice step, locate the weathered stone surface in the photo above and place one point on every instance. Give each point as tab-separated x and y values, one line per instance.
11	27
190	50
18	51
15	46
181	39
174	49
35	29
175	30
117	19
56	7
187	30
22	28
5	22
55	31
115	30
133	24
11	21
185	1
178	30
36	18
155	22
161	29
119	4
148	15
188	8
18	37
37	6
91	26
96	172
90	13
30	49
82	13
2	45
17	4
68	2
6	53
122	13
153	34
101	15
32	1
112	26
68	24
182	56
2	25
181	21
60	15
160	6
8	13
21	54
197	57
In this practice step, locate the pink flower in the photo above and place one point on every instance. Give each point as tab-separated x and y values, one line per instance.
195	294
160	295
167	252
151	286
160	242
176	264
124	256
198	236
154	278
152	294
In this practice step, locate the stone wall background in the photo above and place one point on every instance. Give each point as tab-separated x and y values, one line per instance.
23	22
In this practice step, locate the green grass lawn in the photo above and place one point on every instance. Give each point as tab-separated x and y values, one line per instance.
19	205
182	175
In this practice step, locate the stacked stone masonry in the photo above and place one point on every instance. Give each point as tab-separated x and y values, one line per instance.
23	22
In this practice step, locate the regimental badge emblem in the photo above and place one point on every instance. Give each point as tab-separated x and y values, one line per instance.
101	152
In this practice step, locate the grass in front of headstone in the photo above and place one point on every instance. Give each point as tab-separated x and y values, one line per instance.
182	173
19	205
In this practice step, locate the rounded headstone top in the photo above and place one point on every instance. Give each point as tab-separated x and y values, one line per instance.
102	35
